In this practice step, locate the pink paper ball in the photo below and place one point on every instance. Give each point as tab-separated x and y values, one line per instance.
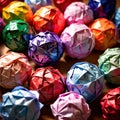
15	70
78	40
78	12
70	106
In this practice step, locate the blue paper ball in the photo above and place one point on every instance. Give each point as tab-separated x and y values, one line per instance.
85	79
103	8
20	104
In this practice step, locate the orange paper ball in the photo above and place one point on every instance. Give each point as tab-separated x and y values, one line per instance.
48	18
104	32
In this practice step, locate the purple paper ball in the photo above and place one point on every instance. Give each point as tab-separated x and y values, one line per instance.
45	48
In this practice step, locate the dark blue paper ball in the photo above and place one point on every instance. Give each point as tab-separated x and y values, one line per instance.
103	8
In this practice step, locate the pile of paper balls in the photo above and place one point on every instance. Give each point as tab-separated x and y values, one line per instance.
39	35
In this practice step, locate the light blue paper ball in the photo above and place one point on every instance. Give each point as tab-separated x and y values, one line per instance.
20	104
85	79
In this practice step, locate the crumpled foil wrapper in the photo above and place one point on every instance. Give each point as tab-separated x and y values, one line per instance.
78	40
49	18
103	8
20	104
17	10
105	33
85	79
45	48
109	63
62	4
70	106
14	35
110	104
36	4
49	82
14	70
2	25
78	12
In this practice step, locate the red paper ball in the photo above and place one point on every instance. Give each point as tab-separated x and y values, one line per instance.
49	82
110	104
3	3
62	4
48	18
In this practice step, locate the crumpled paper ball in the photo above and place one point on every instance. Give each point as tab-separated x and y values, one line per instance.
110	105
105	33
20	104
36	4
14	35
109	63
3	3
49	82
45	48
103	8
62	4
49	18
70	106
14	70
17	10
78	12
85	79
2	25
78	40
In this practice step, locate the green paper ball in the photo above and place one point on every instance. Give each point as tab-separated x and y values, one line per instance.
14	35
109	63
